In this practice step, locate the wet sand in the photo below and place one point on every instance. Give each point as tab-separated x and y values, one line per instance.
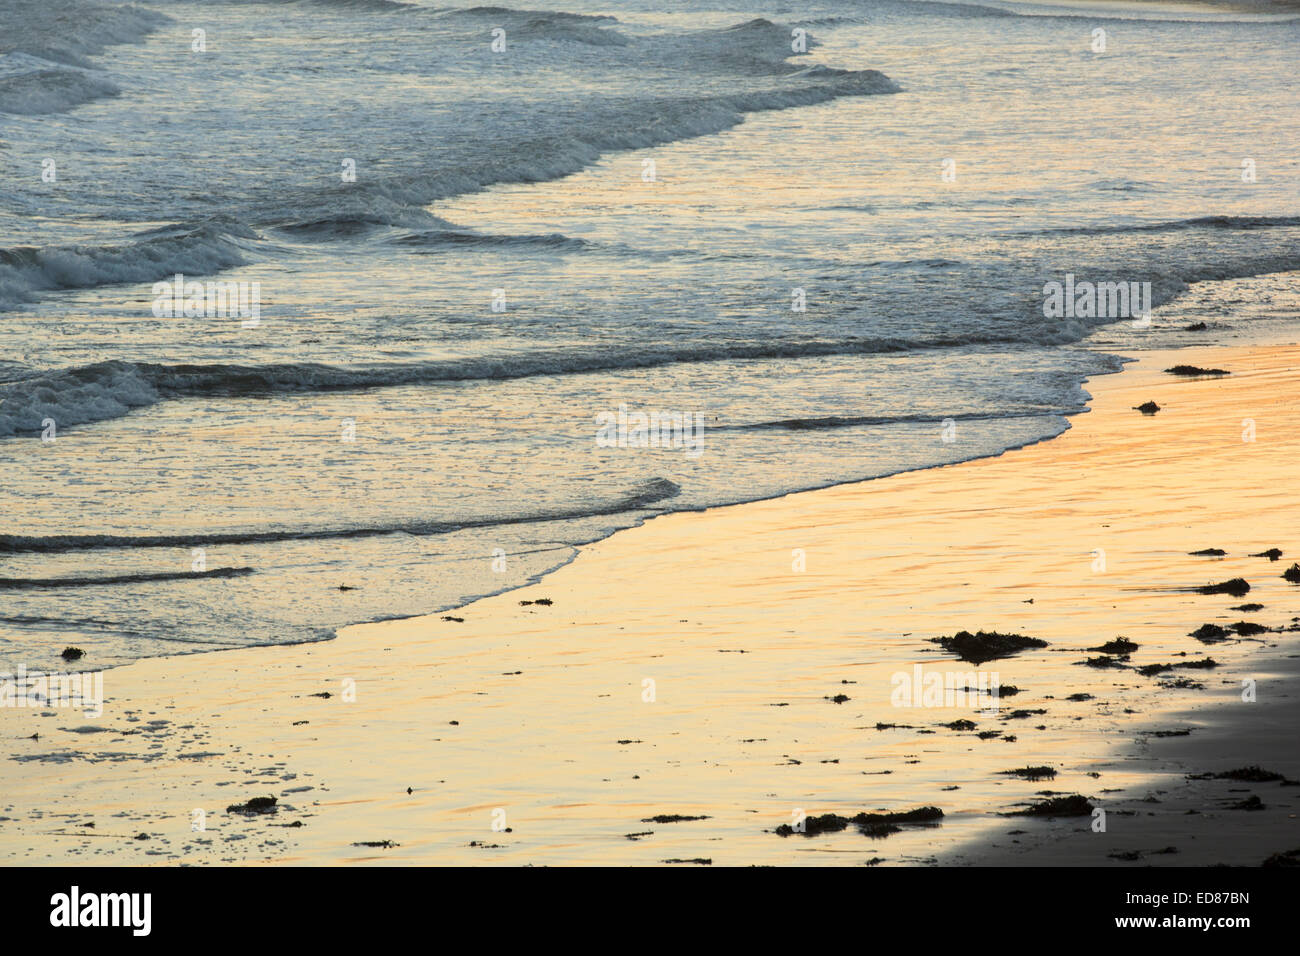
772	634
1176	808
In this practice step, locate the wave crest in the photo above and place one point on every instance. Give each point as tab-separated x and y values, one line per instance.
192	249
645	495
31	86
70	31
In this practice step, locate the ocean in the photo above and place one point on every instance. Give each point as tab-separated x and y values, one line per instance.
811	243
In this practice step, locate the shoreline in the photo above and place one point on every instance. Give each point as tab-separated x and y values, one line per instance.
538	711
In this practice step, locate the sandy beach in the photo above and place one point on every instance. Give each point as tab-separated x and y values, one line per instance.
734	670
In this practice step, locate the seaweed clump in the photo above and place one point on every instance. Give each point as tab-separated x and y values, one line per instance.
253	806
1204	663
1237	587
1210	634
1074	805
1121	645
883	824
870	824
1030	773
1251	774
986	645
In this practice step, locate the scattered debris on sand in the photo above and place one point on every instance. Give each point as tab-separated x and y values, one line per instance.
72	654
671	818
1289	858
1191	370
986	645
1183	683
702	861
380	844
1208	553
1292	574
1248	608
1272	554
1147	408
